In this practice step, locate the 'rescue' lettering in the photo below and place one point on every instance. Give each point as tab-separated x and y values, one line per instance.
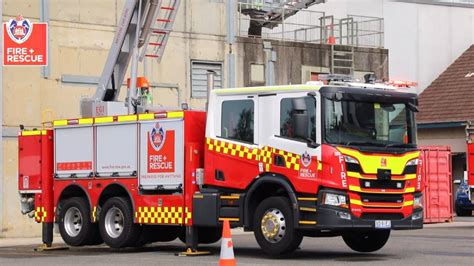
158	162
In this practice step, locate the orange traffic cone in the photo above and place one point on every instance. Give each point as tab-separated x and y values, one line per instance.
227	250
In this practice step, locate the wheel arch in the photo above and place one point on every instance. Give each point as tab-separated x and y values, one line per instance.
266	186
72	190
115	190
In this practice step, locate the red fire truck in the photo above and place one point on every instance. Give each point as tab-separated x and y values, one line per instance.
284	162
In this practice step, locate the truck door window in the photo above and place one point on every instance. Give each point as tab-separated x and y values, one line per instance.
298	118
237	120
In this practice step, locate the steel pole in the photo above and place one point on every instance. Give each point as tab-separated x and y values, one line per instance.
133	72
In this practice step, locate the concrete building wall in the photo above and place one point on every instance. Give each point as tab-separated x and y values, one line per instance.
293	57
454	137
81	32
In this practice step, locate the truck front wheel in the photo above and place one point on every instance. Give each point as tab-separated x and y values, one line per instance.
274	228
116	223
366	241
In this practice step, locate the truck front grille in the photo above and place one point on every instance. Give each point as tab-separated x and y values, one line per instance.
386	198
382	216
382	184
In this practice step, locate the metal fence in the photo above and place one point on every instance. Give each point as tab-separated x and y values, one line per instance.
303	25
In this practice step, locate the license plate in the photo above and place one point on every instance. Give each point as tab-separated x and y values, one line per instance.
383	224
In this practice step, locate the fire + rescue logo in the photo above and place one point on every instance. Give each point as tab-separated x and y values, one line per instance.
157	137
19	29
21	45
306	159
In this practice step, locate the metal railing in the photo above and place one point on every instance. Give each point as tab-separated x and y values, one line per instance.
310	26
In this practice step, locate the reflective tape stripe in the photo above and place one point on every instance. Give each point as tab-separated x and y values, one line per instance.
146	116
308	199
229	219
263	155
126	118
58	123
227	249
40	214
307	222
86	121
105	119
162	215
94	212
306	209
175	114
32	132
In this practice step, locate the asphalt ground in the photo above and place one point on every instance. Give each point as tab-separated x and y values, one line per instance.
443	244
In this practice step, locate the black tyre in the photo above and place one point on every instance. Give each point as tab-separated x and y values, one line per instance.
116	223
163	233
274	228
366	241
462	212
95	237
75	224
157	233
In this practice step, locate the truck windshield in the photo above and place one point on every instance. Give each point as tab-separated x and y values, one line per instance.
368	123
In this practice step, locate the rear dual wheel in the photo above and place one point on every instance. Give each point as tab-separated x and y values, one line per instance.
116	224
75	224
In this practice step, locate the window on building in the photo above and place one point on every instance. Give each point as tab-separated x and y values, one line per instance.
298	118
199	77
237	120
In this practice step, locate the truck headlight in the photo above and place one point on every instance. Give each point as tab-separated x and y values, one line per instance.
412	162
350	159
418	202
337	200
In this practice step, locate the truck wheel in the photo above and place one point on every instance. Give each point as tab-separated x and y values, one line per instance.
274	228
165	233
366	241
116	223
74	222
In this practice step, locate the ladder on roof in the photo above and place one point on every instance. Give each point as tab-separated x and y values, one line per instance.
143	30
342	59
155	43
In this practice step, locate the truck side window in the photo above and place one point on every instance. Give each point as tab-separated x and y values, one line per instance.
298	118
237	120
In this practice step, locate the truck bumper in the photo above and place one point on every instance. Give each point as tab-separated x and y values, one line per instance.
331	219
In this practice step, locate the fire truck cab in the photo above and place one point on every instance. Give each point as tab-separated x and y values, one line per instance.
312	160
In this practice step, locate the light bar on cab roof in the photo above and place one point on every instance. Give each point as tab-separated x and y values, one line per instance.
402	84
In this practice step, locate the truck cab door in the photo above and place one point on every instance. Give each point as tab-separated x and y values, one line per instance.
290	130
232	152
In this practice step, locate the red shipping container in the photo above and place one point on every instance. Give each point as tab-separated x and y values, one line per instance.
436	171
470	164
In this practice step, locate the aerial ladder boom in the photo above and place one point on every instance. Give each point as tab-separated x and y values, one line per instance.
143	31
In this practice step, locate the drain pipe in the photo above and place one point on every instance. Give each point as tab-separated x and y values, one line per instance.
210	85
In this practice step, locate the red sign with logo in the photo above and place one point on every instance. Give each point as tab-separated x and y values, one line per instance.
25	43
161	150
